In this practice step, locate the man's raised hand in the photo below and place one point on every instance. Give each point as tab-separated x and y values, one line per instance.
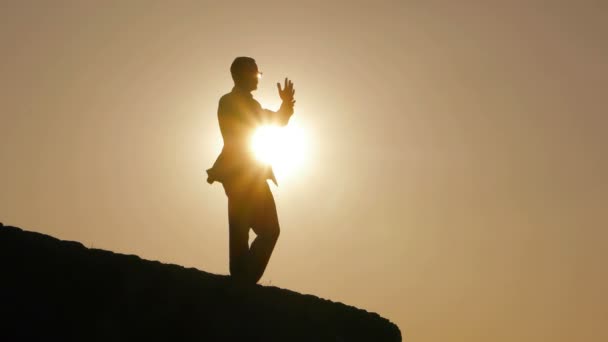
287	92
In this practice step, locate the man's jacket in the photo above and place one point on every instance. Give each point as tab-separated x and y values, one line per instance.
239	115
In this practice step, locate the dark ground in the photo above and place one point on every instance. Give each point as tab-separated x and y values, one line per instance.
54	290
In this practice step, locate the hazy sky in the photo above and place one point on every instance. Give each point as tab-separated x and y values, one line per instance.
456	182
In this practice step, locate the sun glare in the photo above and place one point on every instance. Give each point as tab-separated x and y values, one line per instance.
282	147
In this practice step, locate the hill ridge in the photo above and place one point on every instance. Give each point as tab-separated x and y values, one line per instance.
57	289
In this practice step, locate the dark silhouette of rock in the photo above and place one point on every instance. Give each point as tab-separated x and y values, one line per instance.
59	290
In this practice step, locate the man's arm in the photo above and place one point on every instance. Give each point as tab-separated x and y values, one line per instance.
282	116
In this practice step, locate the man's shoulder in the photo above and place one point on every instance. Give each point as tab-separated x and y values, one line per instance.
228	97
236	99
227	103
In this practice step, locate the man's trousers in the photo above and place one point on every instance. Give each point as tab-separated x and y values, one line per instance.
250	205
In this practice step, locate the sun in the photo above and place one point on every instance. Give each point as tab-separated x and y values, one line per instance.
282	147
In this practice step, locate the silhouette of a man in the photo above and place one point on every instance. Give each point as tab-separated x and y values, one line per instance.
250	202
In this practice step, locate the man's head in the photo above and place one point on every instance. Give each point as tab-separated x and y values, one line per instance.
245	73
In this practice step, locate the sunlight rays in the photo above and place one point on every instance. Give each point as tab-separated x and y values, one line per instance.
285	148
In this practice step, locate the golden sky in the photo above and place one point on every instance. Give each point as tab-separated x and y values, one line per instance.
456	178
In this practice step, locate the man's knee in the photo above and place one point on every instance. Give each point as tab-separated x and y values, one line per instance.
274	233
268	232
267	229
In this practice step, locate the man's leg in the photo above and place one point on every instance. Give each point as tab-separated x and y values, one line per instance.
266	226
238	224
